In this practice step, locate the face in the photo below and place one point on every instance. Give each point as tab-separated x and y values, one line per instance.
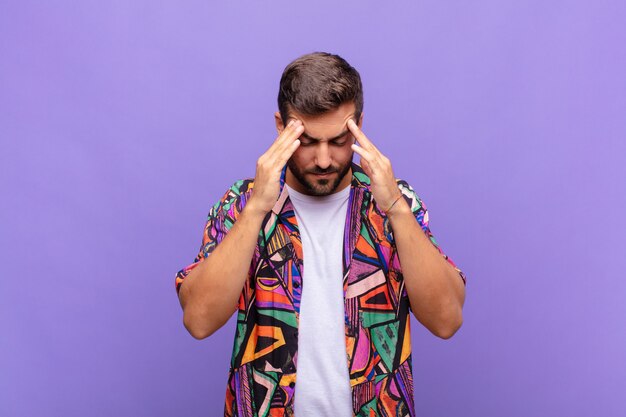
321	164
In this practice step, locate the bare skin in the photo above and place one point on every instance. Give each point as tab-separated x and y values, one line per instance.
325	148
435	290
208	300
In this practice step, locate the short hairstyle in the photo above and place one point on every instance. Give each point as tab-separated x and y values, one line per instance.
319	82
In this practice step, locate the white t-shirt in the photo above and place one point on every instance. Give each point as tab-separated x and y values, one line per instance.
322	381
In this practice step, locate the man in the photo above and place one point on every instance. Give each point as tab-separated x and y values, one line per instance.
322	259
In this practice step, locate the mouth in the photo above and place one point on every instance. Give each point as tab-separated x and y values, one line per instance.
323	175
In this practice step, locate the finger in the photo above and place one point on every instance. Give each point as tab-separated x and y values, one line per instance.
285	139
360	136
289	130
288	136
285	134
288	141
284	147
285	154
366	168
274	164
365	154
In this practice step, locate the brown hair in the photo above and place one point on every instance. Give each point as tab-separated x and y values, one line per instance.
318	82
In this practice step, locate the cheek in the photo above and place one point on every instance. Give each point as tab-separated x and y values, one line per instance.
300	156
343	154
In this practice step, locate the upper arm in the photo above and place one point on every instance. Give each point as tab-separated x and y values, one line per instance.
421	215
219	221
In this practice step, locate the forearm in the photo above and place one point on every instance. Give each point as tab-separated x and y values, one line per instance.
435	290
209	294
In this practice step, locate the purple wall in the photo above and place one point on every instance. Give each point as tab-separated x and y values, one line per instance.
121	123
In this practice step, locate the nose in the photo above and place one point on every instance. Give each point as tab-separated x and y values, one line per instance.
322	156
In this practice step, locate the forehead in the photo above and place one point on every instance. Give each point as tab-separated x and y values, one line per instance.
327	125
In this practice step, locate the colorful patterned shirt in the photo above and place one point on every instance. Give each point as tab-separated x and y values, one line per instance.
262	375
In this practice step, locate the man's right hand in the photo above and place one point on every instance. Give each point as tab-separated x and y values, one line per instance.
269	168
210	293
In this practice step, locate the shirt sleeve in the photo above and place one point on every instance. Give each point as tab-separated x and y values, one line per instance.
220	219
421	215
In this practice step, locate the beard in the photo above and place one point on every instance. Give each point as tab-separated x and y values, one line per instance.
323	186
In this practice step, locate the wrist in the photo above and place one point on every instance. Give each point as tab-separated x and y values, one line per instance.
388	205
253	209
398	208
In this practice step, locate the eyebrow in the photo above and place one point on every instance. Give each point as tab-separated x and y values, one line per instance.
339	136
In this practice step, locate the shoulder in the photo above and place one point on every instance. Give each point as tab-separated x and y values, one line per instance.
413	199
235	197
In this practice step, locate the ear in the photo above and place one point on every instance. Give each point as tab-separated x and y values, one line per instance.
360	124
279	122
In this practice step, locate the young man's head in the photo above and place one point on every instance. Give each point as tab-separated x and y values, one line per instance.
324	92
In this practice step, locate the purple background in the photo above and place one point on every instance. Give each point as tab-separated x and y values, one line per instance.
122	123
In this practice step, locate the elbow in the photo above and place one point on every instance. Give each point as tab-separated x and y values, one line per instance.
449	327
197	329
199	334
199	325
202	321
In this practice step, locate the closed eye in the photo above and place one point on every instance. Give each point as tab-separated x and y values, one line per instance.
307	142
340	141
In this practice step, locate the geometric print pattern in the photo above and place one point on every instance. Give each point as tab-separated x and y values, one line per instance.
262	376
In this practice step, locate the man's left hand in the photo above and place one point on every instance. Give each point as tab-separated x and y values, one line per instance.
377	167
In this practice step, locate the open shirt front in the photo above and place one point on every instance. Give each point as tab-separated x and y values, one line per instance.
262	375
